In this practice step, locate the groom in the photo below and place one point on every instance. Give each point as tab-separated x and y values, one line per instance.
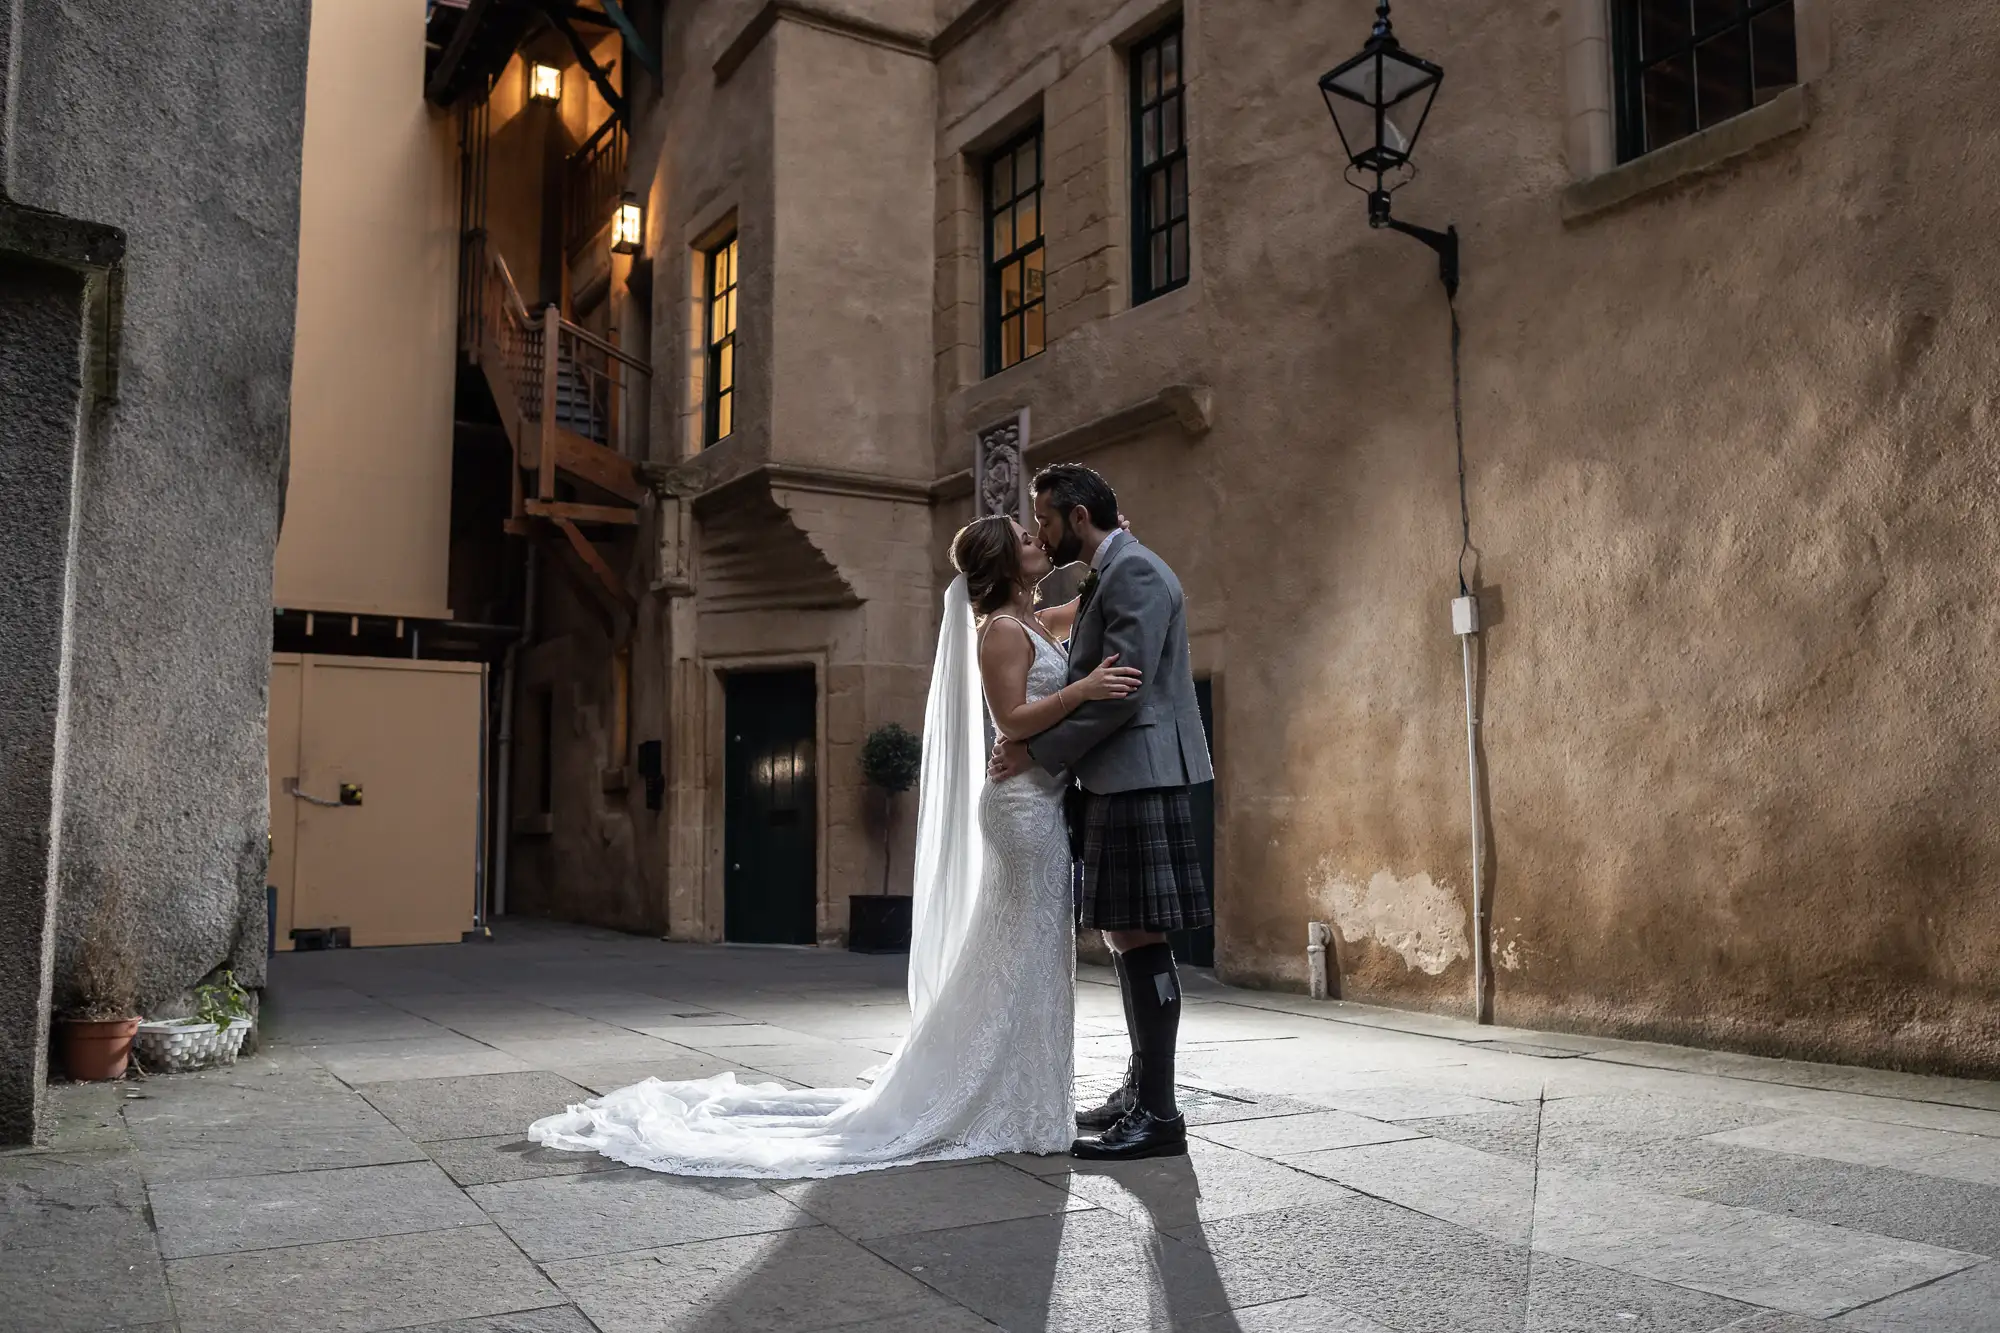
1135	759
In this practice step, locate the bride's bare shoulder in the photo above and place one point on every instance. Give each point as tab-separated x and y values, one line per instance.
1059	620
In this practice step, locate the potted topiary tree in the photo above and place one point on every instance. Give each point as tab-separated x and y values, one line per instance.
99	1019
891	759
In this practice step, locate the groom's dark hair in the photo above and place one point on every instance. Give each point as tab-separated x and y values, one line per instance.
1071	484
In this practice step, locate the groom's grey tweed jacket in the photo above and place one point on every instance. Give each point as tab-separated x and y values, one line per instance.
1152	737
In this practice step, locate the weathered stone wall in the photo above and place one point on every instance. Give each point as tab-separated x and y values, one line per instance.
181	126
1731	472
1733	492
42	346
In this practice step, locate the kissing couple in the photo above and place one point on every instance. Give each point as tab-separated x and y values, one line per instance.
987	1065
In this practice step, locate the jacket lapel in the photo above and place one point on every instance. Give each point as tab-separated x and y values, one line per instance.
1118	542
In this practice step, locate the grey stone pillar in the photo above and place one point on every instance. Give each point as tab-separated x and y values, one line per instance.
56	278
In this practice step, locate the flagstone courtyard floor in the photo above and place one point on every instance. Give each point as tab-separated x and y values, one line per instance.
1354	1170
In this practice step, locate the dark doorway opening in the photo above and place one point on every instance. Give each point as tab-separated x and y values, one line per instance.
1196	948
770	819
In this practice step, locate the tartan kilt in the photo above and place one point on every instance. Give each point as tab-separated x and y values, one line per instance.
1141	866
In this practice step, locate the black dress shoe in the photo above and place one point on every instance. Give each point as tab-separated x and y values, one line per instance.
1123	1099
1137	1136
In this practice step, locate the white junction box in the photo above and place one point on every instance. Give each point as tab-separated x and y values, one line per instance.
1465	615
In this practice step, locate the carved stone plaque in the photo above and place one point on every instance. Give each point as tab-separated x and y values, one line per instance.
1000	470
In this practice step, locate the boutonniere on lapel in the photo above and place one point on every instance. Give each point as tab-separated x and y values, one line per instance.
1086	592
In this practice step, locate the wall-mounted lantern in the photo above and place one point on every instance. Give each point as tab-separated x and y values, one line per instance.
628	225
1380	100
544	82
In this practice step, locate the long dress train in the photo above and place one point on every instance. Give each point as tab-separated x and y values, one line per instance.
987	1064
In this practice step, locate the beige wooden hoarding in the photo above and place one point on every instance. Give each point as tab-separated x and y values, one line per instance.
400	864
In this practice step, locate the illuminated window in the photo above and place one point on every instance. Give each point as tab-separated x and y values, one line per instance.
1684	65
1014	252
720	335
1159	166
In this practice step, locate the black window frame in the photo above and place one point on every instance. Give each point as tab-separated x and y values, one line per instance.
1151	116
997	318
1637	48
714	348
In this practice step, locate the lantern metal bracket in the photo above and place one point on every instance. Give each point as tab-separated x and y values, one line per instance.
1444	242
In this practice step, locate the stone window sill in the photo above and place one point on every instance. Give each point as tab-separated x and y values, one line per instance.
1690	158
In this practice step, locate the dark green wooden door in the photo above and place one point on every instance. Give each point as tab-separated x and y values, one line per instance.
769	821
1196	948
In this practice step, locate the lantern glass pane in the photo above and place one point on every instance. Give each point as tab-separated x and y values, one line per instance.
1382	77
1355	121
626	226
1401	123
544	83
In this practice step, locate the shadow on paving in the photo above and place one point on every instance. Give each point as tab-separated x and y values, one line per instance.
1085	1271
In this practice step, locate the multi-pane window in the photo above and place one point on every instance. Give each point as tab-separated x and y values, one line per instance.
1159	166
1684	65
1014	252
719	333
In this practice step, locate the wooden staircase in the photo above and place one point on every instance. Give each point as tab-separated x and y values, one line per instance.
571	404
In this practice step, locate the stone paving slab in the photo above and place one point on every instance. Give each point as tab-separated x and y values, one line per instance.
1092	1272
104	1282
602	1078
500	1157
895	1202
476	1106
361	1286
1786	1263
306	1207
450	1056
1969	1299
555	1319
1314	1131
1210	1182
1926	1152
616	1046
1422	1275
325	1027
1305	1314
806	1279
611	1212
260	1149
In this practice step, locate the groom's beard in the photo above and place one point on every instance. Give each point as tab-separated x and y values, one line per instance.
1070	549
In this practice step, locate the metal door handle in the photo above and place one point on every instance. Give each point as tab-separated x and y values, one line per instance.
350	794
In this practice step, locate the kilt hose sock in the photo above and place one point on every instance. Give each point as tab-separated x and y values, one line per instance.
1152	987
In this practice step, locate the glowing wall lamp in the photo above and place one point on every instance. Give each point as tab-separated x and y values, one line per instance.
628	225
544	83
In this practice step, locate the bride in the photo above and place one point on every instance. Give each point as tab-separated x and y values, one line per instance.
986	1067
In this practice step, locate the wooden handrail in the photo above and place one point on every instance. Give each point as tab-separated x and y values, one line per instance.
590	339
515	305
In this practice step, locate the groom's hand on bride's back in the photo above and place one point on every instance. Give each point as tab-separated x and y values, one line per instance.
1010	759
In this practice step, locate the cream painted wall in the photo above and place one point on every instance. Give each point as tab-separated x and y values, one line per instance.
367	516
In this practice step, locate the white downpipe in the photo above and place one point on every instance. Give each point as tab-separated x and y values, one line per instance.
503	804
1479	1013
1318	934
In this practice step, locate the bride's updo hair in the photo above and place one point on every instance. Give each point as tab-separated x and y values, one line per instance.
988	553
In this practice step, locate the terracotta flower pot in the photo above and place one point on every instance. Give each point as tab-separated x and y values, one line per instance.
93	1052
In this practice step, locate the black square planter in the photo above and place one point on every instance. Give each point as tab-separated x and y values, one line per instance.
879	923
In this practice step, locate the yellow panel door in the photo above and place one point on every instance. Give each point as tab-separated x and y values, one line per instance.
283	725
399	864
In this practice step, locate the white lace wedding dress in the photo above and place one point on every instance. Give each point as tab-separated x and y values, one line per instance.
987	1065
